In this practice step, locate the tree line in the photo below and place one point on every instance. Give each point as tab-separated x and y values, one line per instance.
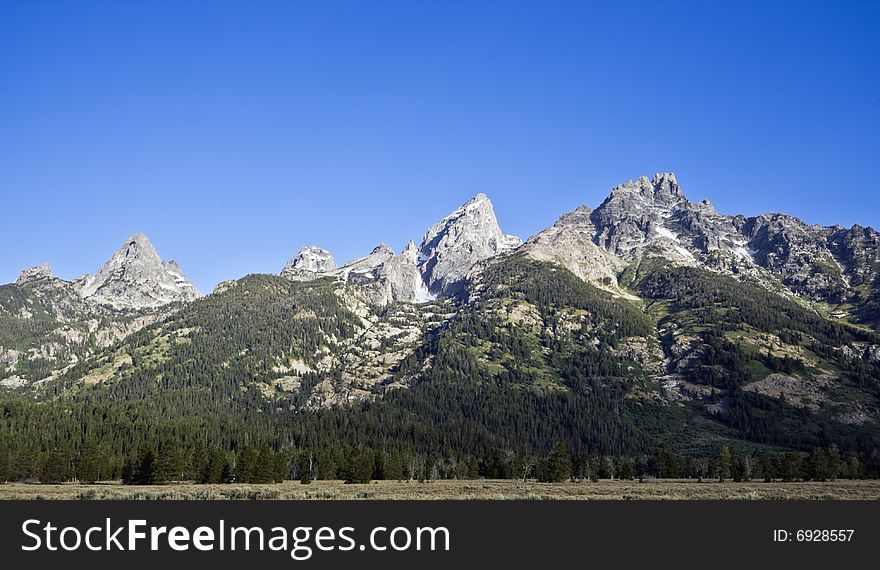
166	463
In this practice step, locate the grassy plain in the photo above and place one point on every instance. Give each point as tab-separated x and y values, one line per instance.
458	489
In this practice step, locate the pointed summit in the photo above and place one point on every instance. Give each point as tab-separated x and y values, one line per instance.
456	243
411	252
135	277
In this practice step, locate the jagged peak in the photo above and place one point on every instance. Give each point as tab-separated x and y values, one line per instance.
578	216
455	244
662	187
479	203
42	271
383	248
664	177
410	251
136	277
312	248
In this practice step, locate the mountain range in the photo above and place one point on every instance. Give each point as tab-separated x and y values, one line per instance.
651	321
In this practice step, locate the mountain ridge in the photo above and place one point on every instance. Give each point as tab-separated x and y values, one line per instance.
651	324
642	217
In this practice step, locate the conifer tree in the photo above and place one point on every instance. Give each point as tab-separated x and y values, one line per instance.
558	466
724	464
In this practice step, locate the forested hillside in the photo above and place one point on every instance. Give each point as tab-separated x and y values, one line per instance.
530	366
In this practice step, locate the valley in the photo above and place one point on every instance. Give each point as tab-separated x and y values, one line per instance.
492	489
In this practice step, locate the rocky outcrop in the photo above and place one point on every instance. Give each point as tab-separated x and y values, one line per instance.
455	244
33	274
797	253
364	269
857	249
312	261
384	278
569	242
401	279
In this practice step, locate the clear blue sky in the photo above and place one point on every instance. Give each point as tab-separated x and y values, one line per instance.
232	133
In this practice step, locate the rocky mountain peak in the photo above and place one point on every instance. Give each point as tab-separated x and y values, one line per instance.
308	262
580	216
655	216
135	277
662	189
410	252
452	246
664	183
382	249
34	274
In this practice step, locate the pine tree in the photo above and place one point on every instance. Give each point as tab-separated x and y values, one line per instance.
217	469
128	472
281	471
146	471
627	470
264	470
169	462
360	467
246	465
4	461
57	467
724	464
606	470
88	469
558	465
835	463
392	466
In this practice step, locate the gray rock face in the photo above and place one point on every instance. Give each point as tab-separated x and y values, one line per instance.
385	278
401	279
569	242
654	217
47	295
363	268
136	278
455	244
451	248
34	274
309	263
857	249
641	218
798	253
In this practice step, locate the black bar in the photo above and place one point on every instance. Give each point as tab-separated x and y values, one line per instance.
499	534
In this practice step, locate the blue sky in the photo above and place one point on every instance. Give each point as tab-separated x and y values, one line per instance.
232	133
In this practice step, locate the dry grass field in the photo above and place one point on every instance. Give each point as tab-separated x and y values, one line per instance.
467	490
